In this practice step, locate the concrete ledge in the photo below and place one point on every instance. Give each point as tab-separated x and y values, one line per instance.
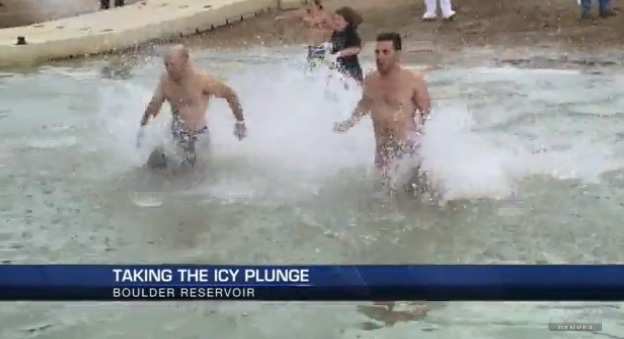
291	4
27	12
121	28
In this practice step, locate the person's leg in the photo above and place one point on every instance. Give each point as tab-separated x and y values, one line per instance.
104	4
416	183
447	9
605	8
190	155
192	144
157	159
354	72
119	3
381	167
586	8
184	141
431	9
203	145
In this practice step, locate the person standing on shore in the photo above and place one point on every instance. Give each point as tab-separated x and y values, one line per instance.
605	8
431	10
105	4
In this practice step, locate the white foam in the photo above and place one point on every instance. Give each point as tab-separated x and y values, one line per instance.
465	163
290	115
147	201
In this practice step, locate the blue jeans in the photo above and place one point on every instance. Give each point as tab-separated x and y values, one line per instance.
603	4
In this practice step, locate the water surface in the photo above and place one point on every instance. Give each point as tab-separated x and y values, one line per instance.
529	162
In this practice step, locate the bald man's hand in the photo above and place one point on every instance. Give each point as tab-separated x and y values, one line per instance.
240	130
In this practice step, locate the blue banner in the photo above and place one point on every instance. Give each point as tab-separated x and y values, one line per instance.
357	283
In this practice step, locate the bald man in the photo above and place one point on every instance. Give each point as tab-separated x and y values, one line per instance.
188	89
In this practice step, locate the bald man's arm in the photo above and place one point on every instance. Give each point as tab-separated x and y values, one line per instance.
219	89
155	104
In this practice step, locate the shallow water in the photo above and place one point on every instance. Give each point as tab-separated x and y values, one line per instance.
529	161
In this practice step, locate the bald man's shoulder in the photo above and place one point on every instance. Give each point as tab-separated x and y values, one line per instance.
208	82
208	77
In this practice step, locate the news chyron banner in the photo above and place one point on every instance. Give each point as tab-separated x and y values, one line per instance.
313	283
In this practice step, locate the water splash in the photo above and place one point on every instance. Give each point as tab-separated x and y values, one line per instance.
290	114
122	105
463	162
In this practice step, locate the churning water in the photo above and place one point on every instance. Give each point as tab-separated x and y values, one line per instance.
529	163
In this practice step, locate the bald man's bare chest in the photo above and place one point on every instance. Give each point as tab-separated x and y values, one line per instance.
187	95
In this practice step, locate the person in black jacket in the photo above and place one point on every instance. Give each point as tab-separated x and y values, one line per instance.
346	43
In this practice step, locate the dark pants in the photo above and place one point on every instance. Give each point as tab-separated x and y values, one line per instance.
354	72
105	4
352	69
605	5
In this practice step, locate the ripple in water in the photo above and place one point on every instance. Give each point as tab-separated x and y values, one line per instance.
58	142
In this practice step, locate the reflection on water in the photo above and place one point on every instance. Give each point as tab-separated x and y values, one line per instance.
529	161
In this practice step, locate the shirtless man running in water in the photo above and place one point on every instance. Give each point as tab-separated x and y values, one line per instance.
398	101
188	90
319	23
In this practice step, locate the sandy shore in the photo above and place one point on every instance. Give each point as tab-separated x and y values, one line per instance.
503	23
518	29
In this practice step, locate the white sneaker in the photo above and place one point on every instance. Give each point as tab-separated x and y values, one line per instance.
429	16
449	15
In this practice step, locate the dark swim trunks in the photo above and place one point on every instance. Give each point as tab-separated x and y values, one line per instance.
410	147
316	55
316	52
185	139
